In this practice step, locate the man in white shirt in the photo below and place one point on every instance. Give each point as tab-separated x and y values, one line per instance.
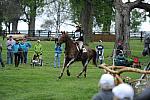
10	42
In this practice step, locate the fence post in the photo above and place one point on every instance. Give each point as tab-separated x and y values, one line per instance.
48	33
39	33
141	36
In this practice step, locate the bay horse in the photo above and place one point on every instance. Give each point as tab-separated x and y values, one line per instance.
72	54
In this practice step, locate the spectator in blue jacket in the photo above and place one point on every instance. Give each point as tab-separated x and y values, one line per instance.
23	47
16	50
58	51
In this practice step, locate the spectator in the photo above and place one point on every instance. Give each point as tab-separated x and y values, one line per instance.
120	60
145	95
25	46
38	50
1	61
119	48
17	52
100	52
123	92
107	83
10	42
58	51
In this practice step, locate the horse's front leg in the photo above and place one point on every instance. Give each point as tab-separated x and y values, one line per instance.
69	63
84	63
64	66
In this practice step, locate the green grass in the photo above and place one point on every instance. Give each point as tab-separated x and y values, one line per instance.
41	83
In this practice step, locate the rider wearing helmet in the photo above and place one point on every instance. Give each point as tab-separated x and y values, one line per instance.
78	36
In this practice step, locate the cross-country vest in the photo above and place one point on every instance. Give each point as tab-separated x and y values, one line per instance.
100	49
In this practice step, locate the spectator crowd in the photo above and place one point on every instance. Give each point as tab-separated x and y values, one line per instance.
123	91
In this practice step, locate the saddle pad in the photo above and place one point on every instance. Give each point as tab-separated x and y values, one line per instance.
84	50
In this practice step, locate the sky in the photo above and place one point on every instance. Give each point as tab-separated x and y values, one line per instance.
23	26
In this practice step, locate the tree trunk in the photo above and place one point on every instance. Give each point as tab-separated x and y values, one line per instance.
122	27
122	20
31	25
87	21
14	26
1	26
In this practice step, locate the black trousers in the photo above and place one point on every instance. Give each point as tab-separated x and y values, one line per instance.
17	59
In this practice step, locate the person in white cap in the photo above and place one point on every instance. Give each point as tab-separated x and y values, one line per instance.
106	83
123	92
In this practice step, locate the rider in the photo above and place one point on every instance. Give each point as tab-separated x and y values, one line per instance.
100	52
78	36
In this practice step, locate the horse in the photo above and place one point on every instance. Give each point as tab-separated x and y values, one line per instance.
73	54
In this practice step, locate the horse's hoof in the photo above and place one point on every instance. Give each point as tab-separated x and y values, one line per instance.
78	76
59	77
68	74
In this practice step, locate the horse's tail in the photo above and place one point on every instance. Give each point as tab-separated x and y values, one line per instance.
94	57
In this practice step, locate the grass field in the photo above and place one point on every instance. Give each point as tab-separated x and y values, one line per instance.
41	83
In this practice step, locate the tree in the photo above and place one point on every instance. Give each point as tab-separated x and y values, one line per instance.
103	13
87	20
122	21
83	13
48	25
136	19
57	13
100	11
29	8
11	13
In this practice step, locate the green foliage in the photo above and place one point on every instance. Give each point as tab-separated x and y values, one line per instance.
136	20
32	6
102	12
76	8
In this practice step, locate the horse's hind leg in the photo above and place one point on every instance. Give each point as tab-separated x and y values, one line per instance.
85	71
85	63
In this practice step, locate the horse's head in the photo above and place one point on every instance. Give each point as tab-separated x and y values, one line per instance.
64	37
